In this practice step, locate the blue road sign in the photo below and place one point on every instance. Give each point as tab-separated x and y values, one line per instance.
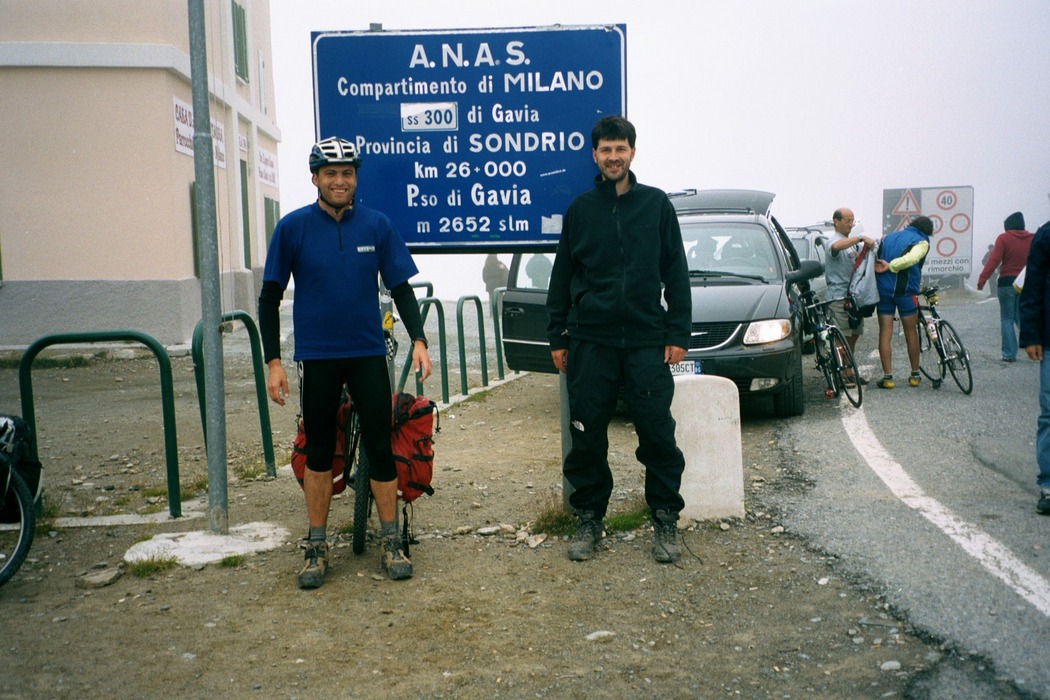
473	138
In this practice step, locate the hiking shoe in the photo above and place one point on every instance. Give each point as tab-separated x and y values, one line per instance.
884	383
312	573
914	380
665	545
1043	506
585	541
393	559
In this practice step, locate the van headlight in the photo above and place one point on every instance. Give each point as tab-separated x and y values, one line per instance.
760	332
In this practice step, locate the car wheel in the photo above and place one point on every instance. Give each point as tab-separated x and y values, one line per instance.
789	402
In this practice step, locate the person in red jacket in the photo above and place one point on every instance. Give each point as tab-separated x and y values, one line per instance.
1009	255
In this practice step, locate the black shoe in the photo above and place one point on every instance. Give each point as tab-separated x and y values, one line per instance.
588	535
665	545
1043	506
312	573
393	560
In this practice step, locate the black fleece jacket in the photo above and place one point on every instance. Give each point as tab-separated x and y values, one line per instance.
615	256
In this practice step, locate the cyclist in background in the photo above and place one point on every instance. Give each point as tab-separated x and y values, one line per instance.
336	250
843	249
898	272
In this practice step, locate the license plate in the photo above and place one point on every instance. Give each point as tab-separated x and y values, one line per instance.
686	367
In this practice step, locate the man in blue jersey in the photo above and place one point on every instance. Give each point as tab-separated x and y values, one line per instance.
336	250
898	273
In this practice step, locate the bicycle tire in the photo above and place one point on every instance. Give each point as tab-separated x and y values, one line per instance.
362	484
956	358
823	362
845	367
16	538
930	363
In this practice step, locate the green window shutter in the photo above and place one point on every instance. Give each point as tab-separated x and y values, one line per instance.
273	215
246	227
196	231
240	41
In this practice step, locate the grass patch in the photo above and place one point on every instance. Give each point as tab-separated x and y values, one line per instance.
154	491
556	521
153	566
635	515
50	507
232	561
246	471
480	397
197	486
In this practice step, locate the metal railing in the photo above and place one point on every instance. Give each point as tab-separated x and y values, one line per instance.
167	394
260	382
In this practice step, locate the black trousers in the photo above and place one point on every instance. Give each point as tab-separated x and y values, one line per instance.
369	385
595	373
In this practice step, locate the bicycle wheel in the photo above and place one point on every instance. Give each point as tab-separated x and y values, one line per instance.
361	482
929	356
956	358
823	361
845	367
15	537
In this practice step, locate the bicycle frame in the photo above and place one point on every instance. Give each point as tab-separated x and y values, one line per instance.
940	349
834	358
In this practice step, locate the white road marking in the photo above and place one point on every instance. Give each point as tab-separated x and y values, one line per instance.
991	554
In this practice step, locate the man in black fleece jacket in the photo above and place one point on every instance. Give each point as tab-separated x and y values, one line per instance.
620	254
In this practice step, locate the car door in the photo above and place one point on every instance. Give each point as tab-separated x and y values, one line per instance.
525	345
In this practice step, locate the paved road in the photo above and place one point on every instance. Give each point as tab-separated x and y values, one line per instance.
931	494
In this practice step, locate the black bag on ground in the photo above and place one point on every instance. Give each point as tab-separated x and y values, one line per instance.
15	450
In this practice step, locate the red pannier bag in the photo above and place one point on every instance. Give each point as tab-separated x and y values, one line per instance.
414	421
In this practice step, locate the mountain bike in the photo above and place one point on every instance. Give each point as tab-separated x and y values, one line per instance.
940	349
834	359
16	506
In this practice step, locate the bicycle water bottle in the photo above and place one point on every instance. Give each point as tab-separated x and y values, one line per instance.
931	327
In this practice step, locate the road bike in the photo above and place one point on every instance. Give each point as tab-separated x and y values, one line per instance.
940	349
834	359
18	521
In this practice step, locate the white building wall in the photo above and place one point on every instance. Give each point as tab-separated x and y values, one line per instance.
95	209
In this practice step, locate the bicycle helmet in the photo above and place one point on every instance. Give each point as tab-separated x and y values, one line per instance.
333	151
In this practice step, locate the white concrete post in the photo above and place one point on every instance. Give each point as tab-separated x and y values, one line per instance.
707	412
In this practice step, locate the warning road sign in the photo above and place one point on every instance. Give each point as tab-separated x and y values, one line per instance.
908	205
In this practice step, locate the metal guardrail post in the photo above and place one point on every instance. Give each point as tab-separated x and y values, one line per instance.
424	305
260	382
462	342
424	311
167	394
497	309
